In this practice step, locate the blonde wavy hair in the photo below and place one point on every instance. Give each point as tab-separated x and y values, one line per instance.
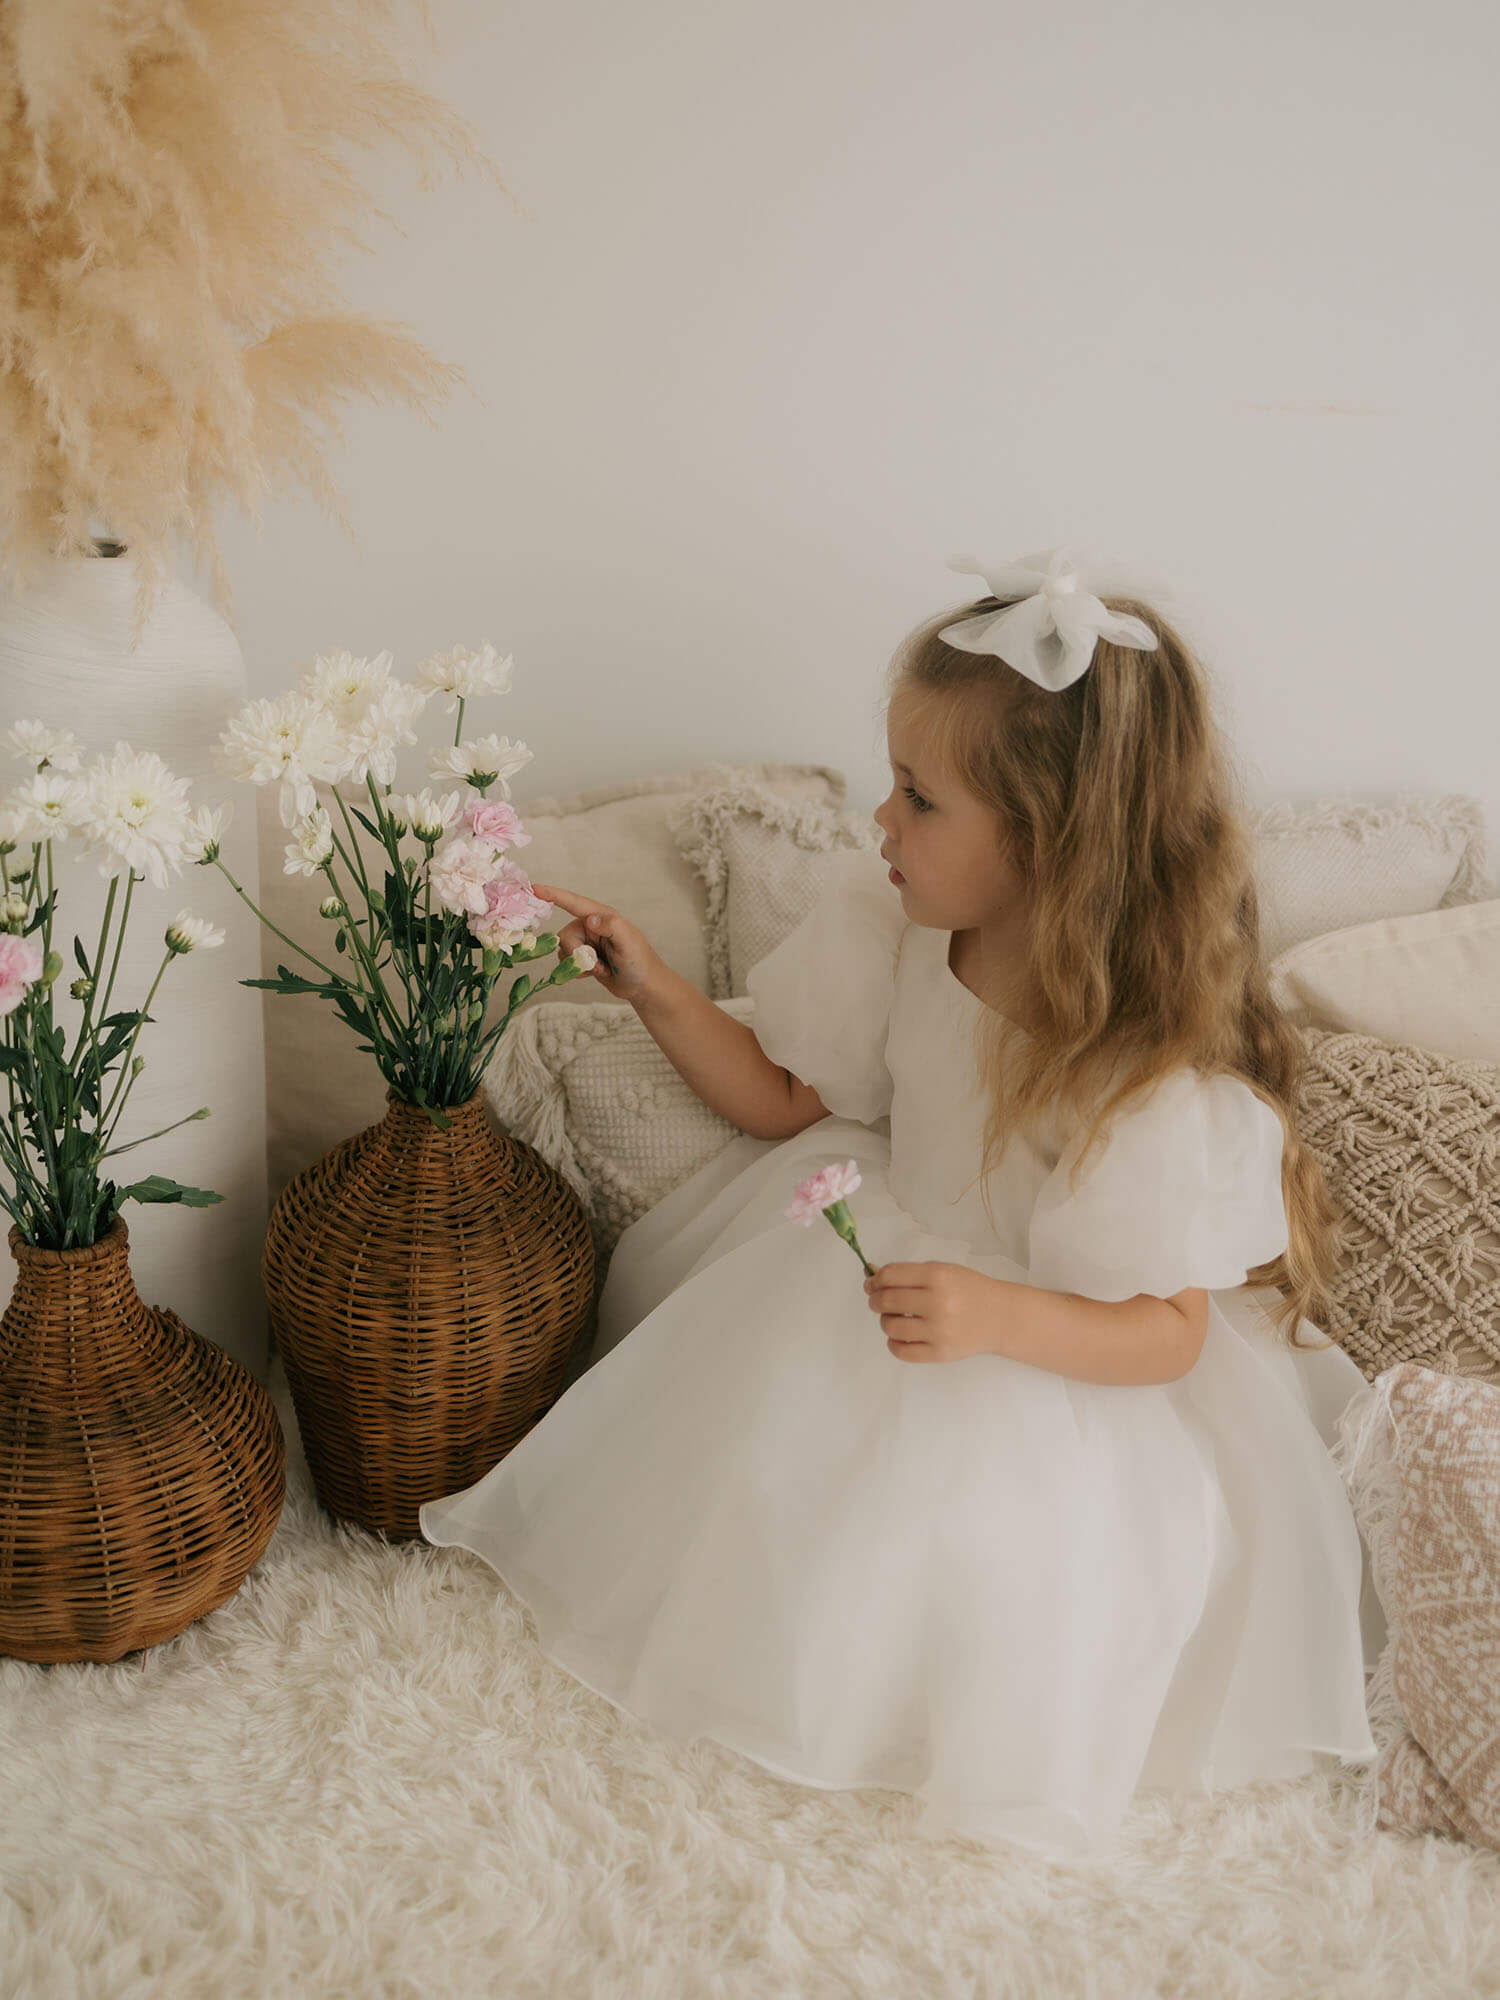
1119	807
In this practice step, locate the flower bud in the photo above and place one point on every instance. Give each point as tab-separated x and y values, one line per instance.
13	910
82	989
52	965
331	906
138	1065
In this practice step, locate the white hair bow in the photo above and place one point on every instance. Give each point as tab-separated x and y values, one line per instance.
1051	634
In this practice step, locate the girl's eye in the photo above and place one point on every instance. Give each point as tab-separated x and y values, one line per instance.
922	805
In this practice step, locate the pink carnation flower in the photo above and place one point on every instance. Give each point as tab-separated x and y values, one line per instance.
498	823
510	909
20	967
821	1190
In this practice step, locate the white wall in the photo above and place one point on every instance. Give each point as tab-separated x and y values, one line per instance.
808	295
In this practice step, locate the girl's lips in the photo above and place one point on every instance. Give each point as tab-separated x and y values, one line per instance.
897	877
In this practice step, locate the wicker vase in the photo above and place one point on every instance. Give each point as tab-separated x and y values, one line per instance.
142	1468
426	1290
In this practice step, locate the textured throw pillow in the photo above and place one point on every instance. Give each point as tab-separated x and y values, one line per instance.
1432	980
764	860
612	842
591	1091
1318	868
1409	1143
1421	1457
1325	867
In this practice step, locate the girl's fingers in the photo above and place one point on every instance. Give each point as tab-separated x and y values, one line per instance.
896	1299
569	900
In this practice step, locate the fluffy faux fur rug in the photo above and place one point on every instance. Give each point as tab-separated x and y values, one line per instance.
361	1778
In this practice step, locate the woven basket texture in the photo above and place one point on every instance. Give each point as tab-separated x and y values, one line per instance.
426	1292
142	1468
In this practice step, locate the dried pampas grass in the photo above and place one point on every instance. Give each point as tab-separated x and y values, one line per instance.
172	179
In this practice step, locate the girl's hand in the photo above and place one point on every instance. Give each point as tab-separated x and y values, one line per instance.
936	1312
627	963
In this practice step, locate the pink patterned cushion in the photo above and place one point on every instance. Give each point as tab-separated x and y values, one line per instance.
1422	1460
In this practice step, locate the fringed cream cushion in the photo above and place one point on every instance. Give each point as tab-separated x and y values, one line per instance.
1421	1458
591	1091
1409	1143
764	860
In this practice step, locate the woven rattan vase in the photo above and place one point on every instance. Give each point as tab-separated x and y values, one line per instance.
142	1468
426	1289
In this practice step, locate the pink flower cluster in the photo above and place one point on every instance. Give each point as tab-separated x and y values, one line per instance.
822	1190
20	967
471	875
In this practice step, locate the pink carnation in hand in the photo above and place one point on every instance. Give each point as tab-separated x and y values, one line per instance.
510	909
821	1190
493	820
20	967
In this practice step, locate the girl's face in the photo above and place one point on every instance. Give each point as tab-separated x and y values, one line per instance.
943	844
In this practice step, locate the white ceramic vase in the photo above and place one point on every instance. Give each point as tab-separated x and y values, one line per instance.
66	657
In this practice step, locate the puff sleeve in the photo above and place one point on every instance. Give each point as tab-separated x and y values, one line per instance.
823	996
1184	1190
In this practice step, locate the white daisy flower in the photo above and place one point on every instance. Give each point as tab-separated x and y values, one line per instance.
45	747
135	812
312	846
206	827
484	761
47	807
428	814
14	911
374	740
345	684
285	738
462	674
190	933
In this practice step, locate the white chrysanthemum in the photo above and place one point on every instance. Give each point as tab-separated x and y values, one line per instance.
47	807
345	684
45	747
428	814
458	872
135	812
189	933
206	826
14	911
463	674
485	761
374	740
285	738
312	844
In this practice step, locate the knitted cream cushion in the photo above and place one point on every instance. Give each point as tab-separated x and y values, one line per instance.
591	1091
1317	868
1432	979
611	842
1421	1458
1409	1143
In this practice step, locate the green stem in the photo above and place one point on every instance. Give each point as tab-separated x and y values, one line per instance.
119	944
130	1144
272	927
123	1082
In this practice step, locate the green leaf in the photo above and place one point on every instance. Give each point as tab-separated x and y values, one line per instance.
368	824
82	957
288	982
156	1187
340	942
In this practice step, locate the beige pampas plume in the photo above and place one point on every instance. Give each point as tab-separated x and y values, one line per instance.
173	177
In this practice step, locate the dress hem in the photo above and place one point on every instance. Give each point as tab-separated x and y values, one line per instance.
942	1824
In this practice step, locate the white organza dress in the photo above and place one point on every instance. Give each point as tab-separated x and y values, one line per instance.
1020	1597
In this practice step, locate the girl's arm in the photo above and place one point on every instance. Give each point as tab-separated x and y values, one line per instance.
717	1057
1139	1340
946	1312
722	1061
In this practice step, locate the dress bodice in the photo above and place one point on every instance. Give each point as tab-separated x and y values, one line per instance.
938	1104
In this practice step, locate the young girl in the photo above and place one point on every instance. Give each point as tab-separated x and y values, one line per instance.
1042	1514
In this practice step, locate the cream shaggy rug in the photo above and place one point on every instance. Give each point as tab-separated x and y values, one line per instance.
361	1778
